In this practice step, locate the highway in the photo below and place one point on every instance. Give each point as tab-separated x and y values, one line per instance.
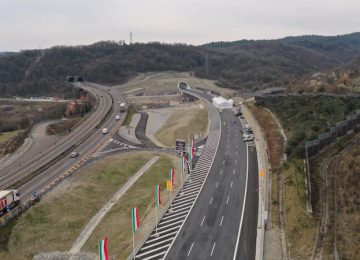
219	214
216	217
83	139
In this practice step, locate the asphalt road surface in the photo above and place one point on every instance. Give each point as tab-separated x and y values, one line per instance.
219	215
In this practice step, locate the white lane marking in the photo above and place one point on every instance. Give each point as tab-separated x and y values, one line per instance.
217	183
224	162
221	172
243	208
211	200
234	172
231	184
222	218
235	161
227	200
190	249
202	222
212	250
236	153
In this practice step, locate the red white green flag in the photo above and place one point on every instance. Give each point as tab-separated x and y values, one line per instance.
103	251
135	220
171	176
157	196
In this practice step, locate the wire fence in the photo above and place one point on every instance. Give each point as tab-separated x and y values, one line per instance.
314	147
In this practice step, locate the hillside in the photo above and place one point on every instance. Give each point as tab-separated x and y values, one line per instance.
240	65
344	79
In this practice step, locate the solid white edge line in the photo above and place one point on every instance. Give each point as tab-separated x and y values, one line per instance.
200	188
244	202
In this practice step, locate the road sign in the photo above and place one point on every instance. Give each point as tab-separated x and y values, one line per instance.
180	145
262	173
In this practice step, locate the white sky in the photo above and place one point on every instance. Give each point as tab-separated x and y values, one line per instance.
26	24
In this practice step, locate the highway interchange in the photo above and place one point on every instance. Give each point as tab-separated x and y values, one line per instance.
221	221
84	138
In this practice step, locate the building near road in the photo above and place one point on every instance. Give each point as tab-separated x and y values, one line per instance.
222	103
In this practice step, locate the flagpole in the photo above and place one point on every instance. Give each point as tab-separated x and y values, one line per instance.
182	174
133	244
170	210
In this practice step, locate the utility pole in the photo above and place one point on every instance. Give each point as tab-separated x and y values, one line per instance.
131	37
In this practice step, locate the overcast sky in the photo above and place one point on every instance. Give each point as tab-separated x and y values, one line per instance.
26	24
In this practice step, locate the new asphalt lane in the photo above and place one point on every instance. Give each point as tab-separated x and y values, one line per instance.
219	214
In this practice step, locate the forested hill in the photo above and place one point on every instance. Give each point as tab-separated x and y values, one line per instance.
242	64
341	47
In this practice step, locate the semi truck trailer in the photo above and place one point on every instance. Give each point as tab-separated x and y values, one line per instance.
8	200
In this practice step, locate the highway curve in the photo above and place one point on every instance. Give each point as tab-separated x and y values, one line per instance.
212	229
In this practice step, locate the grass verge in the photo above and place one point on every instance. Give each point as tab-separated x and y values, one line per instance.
129	115
8	135
117	223
276	146
300	225
183	123
62	127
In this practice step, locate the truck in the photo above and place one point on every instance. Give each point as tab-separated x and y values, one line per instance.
122	107
8	200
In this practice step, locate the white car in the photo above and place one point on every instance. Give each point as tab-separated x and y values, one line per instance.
105	130
248	137
74	154
117	117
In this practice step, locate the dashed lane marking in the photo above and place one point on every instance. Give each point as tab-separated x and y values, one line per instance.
202	222
212	250
190	249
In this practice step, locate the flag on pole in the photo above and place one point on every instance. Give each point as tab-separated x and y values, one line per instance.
171	176
157	196
103	251
135	219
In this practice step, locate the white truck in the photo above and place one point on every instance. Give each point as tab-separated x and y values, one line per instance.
8	200
122	107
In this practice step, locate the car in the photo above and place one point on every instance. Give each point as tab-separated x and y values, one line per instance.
238	113
248	137
117	117
105	130
74	154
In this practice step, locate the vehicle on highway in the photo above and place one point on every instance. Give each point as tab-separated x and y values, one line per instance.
8	200
35	196
238	113
105	130
122	107
117	117
74	154
248	137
